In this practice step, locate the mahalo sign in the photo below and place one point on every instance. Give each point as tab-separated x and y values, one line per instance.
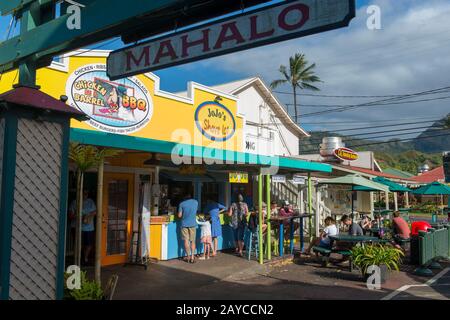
278	22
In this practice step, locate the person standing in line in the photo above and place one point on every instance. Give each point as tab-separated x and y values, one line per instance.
187	212
205	238
88	213
238	213
213	209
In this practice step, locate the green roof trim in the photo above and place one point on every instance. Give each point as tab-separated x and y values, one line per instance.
111	140
398	173
393	186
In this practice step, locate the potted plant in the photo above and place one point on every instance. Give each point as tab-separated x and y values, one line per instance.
387	258
89	290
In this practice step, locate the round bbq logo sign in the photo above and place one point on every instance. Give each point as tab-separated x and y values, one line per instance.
122	107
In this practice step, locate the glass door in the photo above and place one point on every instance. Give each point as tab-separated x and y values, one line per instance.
117	217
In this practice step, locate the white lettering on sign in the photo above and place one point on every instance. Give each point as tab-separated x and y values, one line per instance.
279	179
298	180
278	22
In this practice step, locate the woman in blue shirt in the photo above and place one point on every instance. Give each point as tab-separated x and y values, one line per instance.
213	209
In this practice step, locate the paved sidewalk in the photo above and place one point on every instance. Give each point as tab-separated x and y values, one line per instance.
231	277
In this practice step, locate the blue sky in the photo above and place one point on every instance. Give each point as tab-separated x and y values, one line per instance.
178	76
409	54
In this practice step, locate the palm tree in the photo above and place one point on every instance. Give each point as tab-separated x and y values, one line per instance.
87	157
300	76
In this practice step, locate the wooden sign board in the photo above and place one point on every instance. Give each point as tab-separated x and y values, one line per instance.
270	24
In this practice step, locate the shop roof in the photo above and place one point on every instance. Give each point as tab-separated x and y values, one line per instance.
237	87
437	174
399	173
34	98
370	172
105	139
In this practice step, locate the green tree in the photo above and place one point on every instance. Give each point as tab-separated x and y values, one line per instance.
301	75
447	123
86	157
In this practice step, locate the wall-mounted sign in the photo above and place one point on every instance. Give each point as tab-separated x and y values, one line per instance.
298	180
120	107
215	121
270	24
346	154
238	177
279	179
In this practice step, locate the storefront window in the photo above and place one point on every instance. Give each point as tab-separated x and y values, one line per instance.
117	217
210	191
174	193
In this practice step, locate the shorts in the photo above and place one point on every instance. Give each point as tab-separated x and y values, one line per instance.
189	234
238	233
324	244
88	238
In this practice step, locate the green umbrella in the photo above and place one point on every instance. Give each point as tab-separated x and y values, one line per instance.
355	180
434	188
393	187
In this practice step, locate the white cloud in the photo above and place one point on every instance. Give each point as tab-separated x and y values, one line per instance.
410	54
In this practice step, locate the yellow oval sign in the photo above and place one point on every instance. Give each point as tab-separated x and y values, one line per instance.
346	154
215	121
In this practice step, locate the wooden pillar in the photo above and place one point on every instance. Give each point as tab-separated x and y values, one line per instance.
269	242
310	208
317	216
99	223
302	205
34	148
407	199
395	201
260	200
371	204
387	200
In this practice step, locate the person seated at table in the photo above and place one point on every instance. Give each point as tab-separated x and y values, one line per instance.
287	210
365	223
324	240
253	221
400	227
354	229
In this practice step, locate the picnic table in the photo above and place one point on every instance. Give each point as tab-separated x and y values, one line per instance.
280	220
355	239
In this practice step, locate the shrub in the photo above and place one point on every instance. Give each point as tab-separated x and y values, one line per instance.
365	256
89	290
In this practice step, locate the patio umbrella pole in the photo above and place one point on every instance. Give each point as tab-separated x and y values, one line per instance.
353	198
260	199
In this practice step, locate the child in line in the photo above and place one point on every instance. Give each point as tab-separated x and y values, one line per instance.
324	240
205	237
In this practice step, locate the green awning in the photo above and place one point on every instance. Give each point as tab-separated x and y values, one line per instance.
110	140
393	187
434	188
356	180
